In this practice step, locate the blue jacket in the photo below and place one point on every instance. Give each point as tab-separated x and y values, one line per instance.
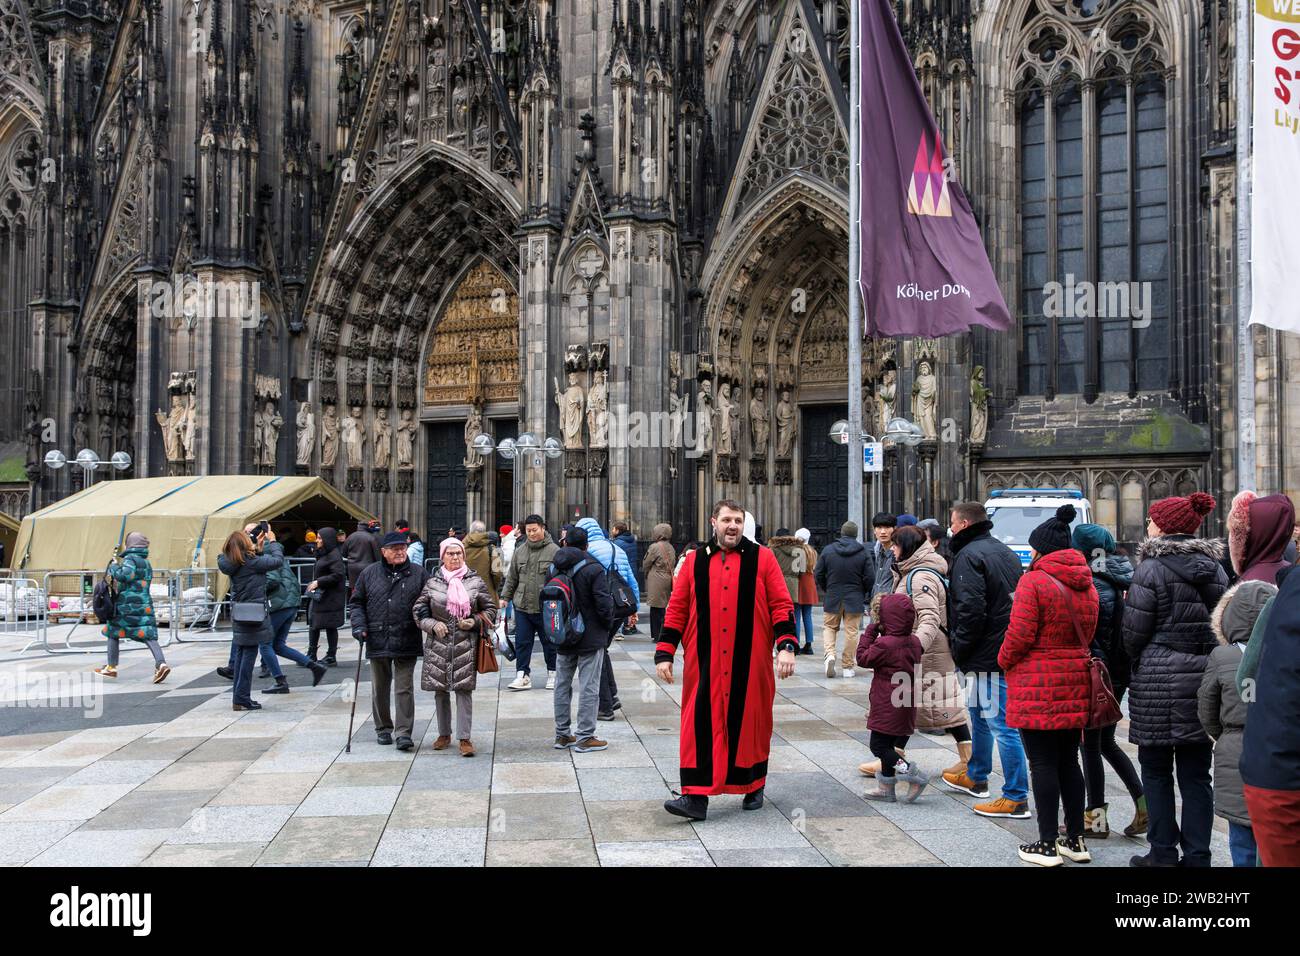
605	551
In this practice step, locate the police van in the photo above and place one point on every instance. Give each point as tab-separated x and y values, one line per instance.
1016	512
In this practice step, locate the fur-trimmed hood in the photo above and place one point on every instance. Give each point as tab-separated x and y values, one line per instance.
1234	616
1180	544
783	541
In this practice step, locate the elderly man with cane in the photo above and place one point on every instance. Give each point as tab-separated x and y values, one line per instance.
381	606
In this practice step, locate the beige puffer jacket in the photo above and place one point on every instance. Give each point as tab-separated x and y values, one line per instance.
449	662
942	703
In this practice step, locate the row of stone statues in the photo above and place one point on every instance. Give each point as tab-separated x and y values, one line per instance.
179	427
572	402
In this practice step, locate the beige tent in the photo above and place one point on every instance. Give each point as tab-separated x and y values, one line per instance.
186	519
8	535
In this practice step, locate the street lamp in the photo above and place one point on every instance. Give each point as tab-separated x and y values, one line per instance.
88	461
897	431
526	449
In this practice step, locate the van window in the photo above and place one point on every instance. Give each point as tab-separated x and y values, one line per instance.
1013	524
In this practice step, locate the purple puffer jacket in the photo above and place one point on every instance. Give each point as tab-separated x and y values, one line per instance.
892	651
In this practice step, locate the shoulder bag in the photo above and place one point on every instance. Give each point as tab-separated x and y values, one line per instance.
1103	708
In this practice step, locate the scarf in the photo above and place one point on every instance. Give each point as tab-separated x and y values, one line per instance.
457	597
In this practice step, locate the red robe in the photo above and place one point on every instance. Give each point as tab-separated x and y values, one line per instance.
726	611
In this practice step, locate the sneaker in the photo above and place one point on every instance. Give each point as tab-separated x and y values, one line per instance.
405	743
1073	849
106	670
550	680
160	673
521	682
850	672
1004	808
1040	854
564	742
590	744
962	783
1096	824
618	637
384	738
830	667
608	716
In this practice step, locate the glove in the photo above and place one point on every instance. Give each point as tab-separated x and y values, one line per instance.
361	638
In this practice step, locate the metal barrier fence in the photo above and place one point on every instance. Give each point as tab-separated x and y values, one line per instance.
193	607
67	597
23	604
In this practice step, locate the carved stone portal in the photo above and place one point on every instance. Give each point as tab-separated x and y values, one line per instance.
482	320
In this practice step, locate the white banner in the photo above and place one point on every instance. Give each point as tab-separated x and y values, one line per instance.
1275	175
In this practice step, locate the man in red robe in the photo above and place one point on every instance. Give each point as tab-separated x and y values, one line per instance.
729	605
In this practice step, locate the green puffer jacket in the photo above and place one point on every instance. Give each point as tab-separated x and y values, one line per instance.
134	619
282	589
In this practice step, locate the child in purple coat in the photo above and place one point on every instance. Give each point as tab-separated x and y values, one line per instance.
893	652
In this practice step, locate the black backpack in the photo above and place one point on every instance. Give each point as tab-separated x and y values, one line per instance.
623	597
562	622
104	598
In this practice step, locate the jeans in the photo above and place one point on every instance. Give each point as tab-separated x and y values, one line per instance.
803	616
115	650
608	686
1058	780
1165	835
986	699
588	668
267	652
528	626
1241	843
242	664
281	622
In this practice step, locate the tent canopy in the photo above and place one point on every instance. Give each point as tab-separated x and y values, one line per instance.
186	519
8	535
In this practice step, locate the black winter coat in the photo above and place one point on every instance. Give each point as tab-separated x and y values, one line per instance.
595	604
248	585
1107	641
360	551
331	584
382	606
1168	637
983	577
846	574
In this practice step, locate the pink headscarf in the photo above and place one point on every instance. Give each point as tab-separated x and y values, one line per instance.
457	597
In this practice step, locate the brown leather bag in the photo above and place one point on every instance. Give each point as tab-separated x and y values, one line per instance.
485	655
1103	708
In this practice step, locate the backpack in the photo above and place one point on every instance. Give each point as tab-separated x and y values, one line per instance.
907	585
624	600
104	598
562	622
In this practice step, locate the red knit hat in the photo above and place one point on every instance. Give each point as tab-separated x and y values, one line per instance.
1182	515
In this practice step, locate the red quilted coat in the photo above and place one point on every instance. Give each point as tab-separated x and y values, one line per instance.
1045	662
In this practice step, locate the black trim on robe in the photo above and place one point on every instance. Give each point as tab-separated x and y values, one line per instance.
743	642
701	775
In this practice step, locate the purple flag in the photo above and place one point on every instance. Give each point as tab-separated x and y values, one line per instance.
924	268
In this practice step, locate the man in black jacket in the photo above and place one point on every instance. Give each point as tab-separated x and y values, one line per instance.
360	550
845	573
586	658
382	620
984	577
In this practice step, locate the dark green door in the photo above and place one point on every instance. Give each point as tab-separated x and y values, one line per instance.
446	480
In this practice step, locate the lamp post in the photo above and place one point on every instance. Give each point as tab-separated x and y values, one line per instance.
88	461
526	448
897	431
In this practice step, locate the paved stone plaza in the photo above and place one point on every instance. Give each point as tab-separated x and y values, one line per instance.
171	776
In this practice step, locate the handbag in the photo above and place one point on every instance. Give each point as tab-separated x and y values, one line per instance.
485	655
248	612
1103	708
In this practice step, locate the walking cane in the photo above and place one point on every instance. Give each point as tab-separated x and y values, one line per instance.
356	689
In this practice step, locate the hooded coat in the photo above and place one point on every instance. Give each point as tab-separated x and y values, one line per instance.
1219	704
942	702
134	618
628	544
892	651
657	566
845	572
1112	574
1168	637
1259	530
1045	661
326	611
608	554
248	586
530	569
985	573
484	559
792	558
450	662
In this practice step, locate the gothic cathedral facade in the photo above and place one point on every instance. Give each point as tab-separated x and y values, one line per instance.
620	224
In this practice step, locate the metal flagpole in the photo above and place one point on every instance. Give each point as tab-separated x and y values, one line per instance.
1245	336
855	269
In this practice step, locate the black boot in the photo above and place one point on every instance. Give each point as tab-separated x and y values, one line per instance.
753	801
281	686
330	661
317	672
688	805
227	672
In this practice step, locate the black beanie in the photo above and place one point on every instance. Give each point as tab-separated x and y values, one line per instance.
1054	533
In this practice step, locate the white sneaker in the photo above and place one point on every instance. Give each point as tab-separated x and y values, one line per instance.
830	667
521	682
550	680
849	672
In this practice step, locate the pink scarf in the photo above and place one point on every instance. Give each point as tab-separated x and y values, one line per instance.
458	605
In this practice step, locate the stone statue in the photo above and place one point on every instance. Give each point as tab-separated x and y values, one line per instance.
80	438
306	423
383	439
473	428
266	434
979	407
598	412
190	427
676	413
704	418
172	424
925	399
887	397
759	427
571	402
784	426
726	413
353	437
406	440
329	437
